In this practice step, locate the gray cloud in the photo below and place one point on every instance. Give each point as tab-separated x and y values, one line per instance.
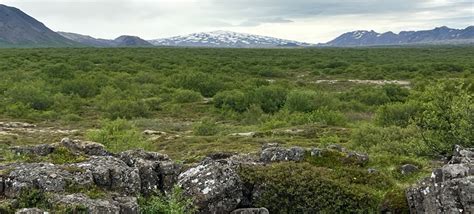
307	20
259	21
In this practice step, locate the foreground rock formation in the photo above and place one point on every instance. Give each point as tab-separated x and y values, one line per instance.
214	184
450	189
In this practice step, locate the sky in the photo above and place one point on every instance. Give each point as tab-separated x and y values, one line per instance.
311	21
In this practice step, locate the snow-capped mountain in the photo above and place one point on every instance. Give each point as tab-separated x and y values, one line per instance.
226	39
440	35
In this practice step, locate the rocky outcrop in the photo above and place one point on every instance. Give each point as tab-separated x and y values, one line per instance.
44	176
111	173
30	211
275	153
124	205
39	150
450	189
251	211
84	147
157	171
214	184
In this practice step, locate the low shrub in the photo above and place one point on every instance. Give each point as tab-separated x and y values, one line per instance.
186	96
397	114
235	100
118	135
207	127
173	203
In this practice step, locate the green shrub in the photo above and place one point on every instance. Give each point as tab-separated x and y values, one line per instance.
118	135
448	116
33	94
186	96
235	100
302	188
397	114
204	83
174	203
126	109
327	117
301	101
396	93
32	198
206	127
270	98
393	139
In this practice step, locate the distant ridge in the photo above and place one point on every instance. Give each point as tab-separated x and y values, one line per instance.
17	29
122	41
439	35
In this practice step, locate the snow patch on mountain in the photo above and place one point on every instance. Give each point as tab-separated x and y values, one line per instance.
225	39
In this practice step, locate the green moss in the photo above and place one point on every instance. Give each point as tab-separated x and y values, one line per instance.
303	188
62	155
395	202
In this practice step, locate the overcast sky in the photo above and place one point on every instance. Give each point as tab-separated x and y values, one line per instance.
303	20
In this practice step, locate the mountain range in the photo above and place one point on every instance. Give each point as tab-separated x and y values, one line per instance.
440	35
18	29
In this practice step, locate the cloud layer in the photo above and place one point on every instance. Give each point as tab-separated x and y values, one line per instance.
304	20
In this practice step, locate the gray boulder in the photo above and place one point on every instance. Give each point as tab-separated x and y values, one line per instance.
251	211
30	211
408	169
39	150
214	184
112	173
276	154
122	205
157	171
44	176
357	158
84	147
450	189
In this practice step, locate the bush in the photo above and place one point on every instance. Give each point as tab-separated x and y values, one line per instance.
307	101
118	135
448	116
393	140
186	96
396	93
328	117
270	98
301	101
302	188
33	94
397	114
128	109
206	127
204	83
235	100
174	203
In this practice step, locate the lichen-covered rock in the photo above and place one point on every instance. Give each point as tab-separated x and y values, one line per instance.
112	173
122	205
40	150
357	158
214	184
462	155
450	189
157	171
30	211
408	169
336	147
276	154
251	211
84	147
44	176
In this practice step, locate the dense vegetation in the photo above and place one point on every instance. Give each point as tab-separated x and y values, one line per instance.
201	97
